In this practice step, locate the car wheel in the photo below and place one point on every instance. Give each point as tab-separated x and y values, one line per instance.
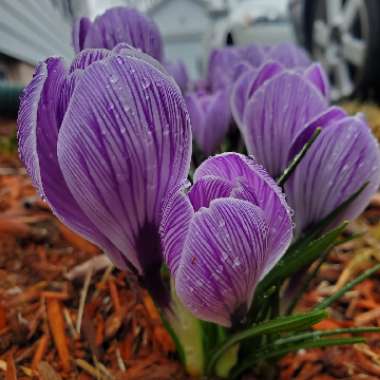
345	38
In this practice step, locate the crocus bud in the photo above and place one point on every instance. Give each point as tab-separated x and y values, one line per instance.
105	142
117	25
223	237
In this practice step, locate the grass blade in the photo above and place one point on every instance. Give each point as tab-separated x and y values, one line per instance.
291	264
269	352
321	334
329	300
298	158
278	325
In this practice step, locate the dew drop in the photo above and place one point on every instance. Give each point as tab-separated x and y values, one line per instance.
236	263
114	79
145	84
219	269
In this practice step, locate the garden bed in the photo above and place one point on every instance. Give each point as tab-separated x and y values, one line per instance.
66	313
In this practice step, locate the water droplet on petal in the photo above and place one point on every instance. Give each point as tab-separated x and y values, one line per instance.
219	269
236	263
145	83
114	79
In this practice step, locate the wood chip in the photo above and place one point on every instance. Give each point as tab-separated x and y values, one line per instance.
57	327
10	373
47	372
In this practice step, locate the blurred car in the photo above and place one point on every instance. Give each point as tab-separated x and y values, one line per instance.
344	35
244	21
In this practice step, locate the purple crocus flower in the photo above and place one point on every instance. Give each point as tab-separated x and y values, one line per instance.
253	54
271	105
224	236
210	117
116	25
277	111
221	67
289	55
105	142
344	157
178	71
226	64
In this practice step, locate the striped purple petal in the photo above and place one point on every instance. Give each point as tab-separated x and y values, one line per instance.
79	32
210	118
247	85
240	69
119	24
317	75
253	54
87	57
226	65
176	218
178	71
223	261
252	183
124	145
239	95
208	188
221	67
289	55
42	110
275	114
224	236
343	158
323	120
105	144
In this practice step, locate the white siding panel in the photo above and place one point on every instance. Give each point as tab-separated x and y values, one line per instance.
32	30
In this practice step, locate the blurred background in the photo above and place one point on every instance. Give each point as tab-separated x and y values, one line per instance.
342	34
31	30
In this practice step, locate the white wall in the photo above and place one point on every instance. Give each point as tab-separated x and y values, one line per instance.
97	7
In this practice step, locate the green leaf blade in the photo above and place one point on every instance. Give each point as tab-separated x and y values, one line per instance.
276	326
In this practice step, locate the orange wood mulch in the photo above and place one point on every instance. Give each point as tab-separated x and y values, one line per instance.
65	313
359	307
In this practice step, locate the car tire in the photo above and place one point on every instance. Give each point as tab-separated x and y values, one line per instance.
345	37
